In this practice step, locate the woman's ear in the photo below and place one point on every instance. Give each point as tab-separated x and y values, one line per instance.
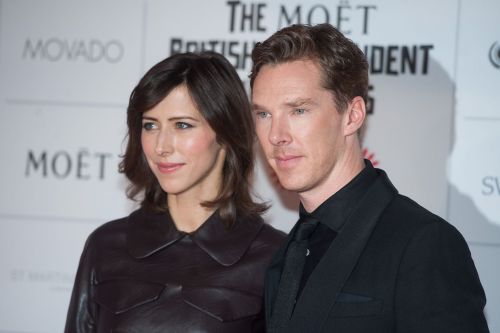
355	116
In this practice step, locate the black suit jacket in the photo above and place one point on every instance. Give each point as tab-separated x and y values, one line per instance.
393	267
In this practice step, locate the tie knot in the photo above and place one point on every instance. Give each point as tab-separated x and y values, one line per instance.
306	226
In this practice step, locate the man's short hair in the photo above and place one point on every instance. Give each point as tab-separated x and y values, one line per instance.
342	64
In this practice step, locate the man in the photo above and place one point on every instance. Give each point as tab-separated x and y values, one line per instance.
362	257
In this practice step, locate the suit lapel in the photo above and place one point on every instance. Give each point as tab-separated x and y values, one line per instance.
328	278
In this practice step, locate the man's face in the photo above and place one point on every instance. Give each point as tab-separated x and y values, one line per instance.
298	125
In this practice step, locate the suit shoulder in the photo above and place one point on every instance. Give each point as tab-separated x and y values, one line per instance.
409	217
405	209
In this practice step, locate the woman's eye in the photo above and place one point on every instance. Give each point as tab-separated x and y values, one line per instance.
148	126
182	125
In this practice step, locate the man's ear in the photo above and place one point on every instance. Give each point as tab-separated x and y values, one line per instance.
355	116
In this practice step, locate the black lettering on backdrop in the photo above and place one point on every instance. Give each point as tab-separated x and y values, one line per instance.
409	58
425	55
391	60
36	163
81	164
370	103
249	15
102	162
323	14
341	17
288	20
398	59
56	49
62	164
236	51
491	186
366	11
319	13
494	54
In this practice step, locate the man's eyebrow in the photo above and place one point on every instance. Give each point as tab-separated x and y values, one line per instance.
256	106
293	103
300	102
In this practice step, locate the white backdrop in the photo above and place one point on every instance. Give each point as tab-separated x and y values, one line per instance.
68	67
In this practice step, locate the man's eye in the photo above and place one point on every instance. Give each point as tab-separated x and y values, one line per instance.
148	126
299	111
182	125
263	114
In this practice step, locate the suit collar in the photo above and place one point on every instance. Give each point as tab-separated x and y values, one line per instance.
335	210
150	232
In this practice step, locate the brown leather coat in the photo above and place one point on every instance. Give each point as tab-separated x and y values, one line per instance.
140	274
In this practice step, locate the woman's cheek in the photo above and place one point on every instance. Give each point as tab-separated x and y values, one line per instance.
198	144
148	144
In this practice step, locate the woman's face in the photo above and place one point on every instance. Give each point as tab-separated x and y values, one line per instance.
181	148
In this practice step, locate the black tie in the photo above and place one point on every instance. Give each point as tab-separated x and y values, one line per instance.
295	259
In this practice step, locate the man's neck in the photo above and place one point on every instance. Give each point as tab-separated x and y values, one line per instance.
342	174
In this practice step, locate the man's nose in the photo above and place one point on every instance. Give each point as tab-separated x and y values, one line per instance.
279	133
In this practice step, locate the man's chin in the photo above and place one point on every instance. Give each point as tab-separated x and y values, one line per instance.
289	185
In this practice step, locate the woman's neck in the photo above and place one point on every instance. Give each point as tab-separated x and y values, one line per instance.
187	213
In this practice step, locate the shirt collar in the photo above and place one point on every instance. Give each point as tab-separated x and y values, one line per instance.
335	210
150	232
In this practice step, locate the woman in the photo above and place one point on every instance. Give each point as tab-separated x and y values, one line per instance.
193	257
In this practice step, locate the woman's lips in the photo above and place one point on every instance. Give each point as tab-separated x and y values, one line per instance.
167	168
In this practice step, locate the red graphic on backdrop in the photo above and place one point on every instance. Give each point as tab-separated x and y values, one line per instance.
370	156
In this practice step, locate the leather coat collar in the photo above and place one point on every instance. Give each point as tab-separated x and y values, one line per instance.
150	232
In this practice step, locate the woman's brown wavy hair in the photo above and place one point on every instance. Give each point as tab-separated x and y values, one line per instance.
220	97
